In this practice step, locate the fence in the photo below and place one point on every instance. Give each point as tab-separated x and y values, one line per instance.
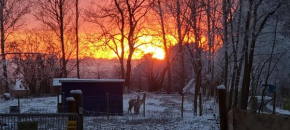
31	105
43	121
103	105
243	120
160	109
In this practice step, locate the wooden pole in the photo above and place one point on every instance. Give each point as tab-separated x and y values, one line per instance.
62	101
222	107
78	96
18	97
57	104
200	104
144	110
274	104
58	93
71	103
182	101
107	106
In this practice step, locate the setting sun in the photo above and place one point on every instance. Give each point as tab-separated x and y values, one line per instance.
156	52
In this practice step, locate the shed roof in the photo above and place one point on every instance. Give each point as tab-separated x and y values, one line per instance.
57	83
91	80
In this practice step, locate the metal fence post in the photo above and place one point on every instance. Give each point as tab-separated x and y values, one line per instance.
222	106
18	97
62	102
107	106
182	101
200	104
274	103
144	104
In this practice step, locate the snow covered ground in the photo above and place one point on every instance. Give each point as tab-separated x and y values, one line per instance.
162	113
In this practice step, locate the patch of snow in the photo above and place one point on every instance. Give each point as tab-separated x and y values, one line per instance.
70	99
76	91
6	95
266	98
221	87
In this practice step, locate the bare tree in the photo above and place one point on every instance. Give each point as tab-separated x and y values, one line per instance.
193	20
258	24
12	13
114	15
35	71
153	71
135	17
166	50
55	14
178	10
127	17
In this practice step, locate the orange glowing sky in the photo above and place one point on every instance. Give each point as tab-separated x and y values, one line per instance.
89	48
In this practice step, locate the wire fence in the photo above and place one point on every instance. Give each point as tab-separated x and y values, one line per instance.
102	105
43	121
30	105
159	109
111	111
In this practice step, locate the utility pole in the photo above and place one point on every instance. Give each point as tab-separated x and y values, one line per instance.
2	6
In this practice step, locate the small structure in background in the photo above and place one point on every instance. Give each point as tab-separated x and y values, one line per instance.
19	89
270	89
57	88
95	99
189	87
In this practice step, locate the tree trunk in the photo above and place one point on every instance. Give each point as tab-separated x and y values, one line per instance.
62	38
128	71
235	57
77	37
245	85
239	67
269	67
167	58
180	48
225	40
122	39
6	88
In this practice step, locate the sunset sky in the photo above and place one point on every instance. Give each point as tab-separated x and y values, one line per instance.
149	36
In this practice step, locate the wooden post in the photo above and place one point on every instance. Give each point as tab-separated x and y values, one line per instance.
217	96
57	103
274	103
200	104
107	106
18	97
78	96
62	101
182	101
144	110
222	107
71	103
71	106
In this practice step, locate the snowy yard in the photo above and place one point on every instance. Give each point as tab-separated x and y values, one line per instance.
163	112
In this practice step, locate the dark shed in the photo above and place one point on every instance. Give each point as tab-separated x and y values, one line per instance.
95	94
